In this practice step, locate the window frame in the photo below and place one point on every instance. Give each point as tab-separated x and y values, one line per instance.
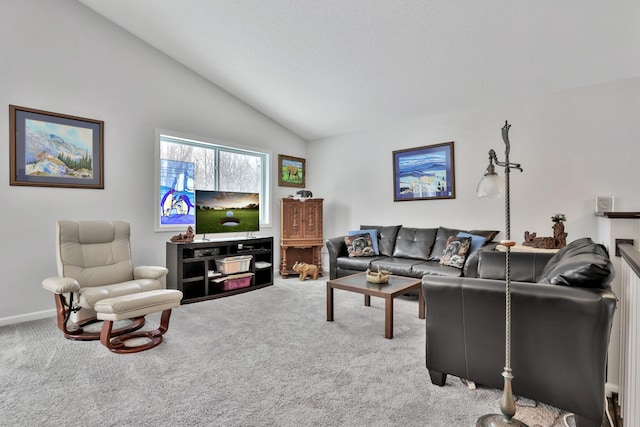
218	145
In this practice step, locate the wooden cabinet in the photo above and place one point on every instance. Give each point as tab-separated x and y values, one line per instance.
300	234
194	271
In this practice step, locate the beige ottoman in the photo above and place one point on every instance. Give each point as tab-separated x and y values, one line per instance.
131	306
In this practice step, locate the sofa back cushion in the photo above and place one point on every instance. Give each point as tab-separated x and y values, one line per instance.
386	237
440	245
414	242
582	263
487	234
477	241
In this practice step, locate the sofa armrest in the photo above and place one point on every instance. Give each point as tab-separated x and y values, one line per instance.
336	248
558	333
470	268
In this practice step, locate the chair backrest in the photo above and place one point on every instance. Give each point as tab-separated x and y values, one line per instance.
94	252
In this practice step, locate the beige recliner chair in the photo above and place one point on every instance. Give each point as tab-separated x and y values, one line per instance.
94	263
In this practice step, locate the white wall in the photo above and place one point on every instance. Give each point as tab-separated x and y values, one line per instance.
573	146
62	57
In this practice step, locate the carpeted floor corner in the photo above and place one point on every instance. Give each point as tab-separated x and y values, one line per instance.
263	358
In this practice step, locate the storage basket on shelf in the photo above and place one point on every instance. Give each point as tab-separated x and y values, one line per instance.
236	281
234	264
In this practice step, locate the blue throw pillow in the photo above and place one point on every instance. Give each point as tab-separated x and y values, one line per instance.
476	241
374	237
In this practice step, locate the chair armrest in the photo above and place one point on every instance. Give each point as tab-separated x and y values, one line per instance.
470	268
61	285
149	272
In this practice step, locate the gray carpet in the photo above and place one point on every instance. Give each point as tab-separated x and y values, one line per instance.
264	358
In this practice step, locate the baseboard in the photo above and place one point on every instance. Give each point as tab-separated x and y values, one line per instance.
610	389
12	320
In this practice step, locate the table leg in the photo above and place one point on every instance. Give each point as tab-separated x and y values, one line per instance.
420	303
367	300
329	303
388	317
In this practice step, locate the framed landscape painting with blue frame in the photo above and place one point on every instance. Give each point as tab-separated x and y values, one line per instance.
424	173
176	209
55	150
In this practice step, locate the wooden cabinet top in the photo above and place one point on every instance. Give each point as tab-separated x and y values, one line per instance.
291	199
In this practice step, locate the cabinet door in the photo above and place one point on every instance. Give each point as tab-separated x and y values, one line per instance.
312	219
292	221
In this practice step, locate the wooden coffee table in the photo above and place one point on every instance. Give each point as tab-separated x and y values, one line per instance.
397	285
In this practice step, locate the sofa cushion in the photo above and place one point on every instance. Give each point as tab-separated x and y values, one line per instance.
374	237
455	254
441	242
487	234
434	268
582	263
359	245
355	263
398	266
386	237
414	242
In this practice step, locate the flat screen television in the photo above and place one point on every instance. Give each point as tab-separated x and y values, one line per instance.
227	212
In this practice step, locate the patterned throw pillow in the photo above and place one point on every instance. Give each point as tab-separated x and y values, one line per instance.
456	251
374	237
359	245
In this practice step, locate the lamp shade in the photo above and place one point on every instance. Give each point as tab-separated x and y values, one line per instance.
491	186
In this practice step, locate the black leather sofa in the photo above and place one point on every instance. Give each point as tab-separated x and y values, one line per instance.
562	311
405	251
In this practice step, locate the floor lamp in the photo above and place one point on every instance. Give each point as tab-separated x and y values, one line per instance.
491	185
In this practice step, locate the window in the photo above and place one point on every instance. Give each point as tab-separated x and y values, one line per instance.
188	163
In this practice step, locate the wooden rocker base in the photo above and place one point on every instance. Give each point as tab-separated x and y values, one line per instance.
117	344
75	330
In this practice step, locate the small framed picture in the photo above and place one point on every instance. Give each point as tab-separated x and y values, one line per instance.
424	173
292	171
55	150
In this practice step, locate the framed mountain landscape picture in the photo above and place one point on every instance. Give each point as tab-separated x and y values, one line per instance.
424	173
55	150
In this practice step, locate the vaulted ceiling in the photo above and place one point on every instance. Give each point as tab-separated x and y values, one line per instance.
327	67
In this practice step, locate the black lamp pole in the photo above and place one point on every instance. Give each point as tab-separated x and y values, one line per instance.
507	403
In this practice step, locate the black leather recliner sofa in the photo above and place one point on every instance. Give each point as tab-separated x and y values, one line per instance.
562	311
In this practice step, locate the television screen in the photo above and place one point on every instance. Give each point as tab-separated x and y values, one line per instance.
227	212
